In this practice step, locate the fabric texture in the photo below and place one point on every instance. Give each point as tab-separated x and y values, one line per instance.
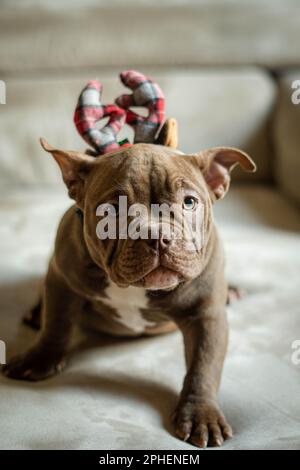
89	111
145	93
119	394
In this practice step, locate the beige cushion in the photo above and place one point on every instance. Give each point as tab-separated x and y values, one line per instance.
62	34
286	134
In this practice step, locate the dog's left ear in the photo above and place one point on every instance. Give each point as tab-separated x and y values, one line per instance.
168	135
216	165
74	166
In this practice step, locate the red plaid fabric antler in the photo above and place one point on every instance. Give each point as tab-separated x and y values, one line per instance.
90	110
146	93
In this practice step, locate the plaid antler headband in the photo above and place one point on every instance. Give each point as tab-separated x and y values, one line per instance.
90	110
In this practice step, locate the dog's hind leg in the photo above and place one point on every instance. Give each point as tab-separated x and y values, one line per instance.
46	356
33	317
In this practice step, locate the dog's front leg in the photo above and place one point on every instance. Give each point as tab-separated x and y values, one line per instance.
46	356
198	417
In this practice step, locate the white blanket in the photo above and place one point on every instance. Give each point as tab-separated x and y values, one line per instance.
118	394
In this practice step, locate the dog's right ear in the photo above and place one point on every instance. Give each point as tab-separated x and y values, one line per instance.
75	167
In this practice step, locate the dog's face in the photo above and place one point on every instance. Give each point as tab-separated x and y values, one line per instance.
147	177
148	209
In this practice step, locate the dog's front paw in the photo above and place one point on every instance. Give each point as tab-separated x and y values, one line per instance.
32	367
202	424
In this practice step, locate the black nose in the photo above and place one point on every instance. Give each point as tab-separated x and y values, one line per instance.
164	241
153	243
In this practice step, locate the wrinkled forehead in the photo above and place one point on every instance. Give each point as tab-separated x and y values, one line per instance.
143	172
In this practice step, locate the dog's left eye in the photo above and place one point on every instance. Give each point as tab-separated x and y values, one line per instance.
189	203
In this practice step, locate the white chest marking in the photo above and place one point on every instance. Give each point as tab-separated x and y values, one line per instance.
127	302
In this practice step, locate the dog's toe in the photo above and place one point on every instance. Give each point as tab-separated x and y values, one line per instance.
202	425
31	368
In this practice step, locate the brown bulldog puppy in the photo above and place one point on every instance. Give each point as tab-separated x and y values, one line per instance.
126	286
